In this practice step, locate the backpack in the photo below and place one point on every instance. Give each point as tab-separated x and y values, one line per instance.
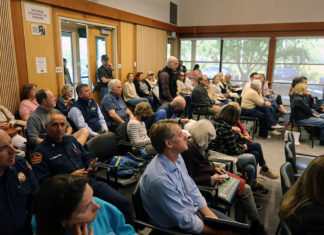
126	166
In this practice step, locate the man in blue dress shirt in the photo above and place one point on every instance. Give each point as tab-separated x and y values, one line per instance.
169	196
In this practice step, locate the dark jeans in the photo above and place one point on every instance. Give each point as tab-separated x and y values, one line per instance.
256	149
266	117
108	194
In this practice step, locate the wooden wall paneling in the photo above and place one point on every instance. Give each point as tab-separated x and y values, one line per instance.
127	49
108	12
151	49
19	40
9	92
40	46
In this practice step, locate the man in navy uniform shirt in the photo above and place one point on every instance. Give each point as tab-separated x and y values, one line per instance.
18	186
63	154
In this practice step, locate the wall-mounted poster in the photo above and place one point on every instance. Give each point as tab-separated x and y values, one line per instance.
41	65
37	29
38	14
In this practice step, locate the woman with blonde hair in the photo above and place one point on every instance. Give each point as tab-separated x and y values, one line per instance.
302	112
302	207
136	128
129	92
65	102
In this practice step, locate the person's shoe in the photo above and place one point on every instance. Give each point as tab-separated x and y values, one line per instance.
257	228
277	126
280	119
275	132
269	174
259	189
265	137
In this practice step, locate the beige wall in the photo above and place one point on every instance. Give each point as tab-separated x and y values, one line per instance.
128	56
150	49
237	12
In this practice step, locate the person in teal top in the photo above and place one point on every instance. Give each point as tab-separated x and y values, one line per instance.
65	205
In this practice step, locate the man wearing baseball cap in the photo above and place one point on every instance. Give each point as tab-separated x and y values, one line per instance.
105	74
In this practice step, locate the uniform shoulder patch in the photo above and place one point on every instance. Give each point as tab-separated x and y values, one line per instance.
36	158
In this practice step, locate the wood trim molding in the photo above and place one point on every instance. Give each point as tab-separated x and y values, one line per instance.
282	27
105	11
19	40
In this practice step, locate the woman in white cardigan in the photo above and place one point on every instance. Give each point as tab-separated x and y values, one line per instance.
136	129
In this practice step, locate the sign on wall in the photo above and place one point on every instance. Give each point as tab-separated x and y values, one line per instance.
41	66
39	14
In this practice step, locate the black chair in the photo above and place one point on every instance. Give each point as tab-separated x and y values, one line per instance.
283	228
287	177
123	141
309	127
200	109
291	139
255	121
141	217
104	147
299	164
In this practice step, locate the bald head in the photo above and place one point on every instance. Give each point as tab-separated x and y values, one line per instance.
172	63
178	103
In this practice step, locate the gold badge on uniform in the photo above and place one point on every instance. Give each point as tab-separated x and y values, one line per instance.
21	177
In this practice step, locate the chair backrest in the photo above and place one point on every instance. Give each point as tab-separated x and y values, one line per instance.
287	177
103	146
140	213
291	137
291	155
121	132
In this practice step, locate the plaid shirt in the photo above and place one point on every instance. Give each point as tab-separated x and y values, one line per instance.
227	141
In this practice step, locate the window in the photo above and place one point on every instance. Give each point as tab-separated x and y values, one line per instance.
242	56
67	51
299	56
83	42
100	49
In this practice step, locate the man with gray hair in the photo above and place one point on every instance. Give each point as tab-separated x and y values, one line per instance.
253	105
113	106
36	131
167	80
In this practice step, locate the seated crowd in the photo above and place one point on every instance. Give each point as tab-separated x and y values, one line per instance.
57	191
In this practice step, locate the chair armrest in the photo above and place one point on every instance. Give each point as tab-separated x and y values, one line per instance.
230	225
168	231
199	105
308	155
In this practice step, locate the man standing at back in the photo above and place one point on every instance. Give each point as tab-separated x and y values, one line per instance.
105	74
167	80
85	112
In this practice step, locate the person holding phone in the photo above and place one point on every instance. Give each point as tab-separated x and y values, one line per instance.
204	173
63	154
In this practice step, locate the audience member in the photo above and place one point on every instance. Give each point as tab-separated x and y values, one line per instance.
36	131
105	75
253	76
129	92
302	207
169	196
225	89
229	142
302	111
215	92
143	88
136	129
196	72
227	82
113	107
172	110
167	80
18	186
153	83
7	122
63	154
65	102
204	173
181	67
190	81
67	76
253	147
268	94
183	89
85	112
200	96
29	103
65	203
253	105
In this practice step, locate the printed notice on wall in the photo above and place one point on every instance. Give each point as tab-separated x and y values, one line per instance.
41	65
37	29
38	14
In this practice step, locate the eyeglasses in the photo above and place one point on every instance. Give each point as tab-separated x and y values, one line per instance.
181	75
